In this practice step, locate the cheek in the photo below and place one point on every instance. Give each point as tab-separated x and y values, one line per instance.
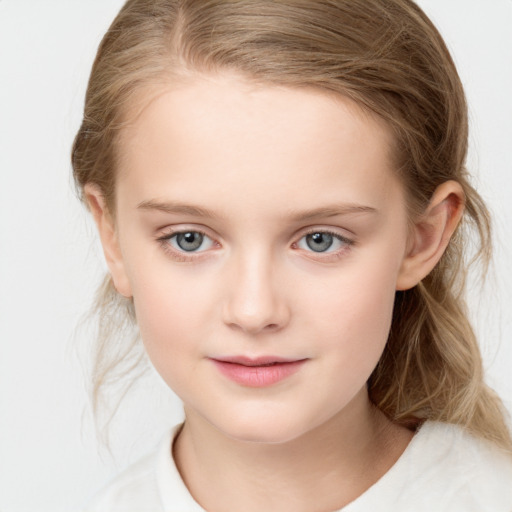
163	292
169	330
167	305
356	311
166	309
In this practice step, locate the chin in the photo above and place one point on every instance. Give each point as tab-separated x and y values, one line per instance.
269	436
273	430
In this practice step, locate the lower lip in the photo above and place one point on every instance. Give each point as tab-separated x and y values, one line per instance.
258	376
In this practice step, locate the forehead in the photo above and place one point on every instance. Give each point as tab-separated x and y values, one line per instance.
232	138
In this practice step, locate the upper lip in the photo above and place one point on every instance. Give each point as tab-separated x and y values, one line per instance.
255	361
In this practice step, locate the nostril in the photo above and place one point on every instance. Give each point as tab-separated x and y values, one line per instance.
253	328
253	306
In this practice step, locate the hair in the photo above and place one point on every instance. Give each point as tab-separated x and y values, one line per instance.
387	56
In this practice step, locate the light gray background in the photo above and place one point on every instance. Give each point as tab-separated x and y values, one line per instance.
50	260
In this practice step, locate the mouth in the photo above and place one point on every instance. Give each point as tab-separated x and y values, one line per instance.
257	372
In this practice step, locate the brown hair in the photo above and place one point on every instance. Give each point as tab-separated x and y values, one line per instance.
388	57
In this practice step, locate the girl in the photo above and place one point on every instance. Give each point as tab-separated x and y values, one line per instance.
280	192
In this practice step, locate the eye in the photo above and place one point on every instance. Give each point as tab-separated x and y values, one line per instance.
189	241
323	242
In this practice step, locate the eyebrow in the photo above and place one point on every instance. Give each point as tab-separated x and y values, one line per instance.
173	207
331	211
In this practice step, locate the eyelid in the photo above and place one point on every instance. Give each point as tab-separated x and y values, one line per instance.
168	231
326	255
166	234
327	230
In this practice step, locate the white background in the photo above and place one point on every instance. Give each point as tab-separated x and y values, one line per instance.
50	261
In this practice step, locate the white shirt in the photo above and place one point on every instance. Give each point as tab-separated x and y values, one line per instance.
443	469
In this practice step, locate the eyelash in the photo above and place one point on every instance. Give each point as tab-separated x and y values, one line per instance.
181	256
328	256
184	256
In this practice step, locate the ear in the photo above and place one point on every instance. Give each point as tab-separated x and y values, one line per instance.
431	234
109	240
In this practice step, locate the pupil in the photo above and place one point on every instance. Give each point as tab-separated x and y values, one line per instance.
319	242
189	241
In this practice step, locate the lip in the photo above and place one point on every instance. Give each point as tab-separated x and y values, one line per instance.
257	372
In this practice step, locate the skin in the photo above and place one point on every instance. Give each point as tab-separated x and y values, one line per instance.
257	158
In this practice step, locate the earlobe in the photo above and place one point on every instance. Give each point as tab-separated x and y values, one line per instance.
108	236
431	234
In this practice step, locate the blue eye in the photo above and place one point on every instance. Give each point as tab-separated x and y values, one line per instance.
322	241
190	241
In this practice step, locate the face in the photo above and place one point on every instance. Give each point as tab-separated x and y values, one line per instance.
261	233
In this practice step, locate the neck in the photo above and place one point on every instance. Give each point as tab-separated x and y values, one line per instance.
323	469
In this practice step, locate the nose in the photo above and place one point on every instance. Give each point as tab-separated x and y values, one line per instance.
256	296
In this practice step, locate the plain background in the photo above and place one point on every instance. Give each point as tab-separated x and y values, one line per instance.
50	261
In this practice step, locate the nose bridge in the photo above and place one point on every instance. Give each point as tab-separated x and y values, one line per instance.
255	300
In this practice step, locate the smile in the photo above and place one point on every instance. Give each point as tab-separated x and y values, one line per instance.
256	373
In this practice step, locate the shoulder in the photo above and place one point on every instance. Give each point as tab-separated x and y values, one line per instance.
445	469
153	484
458	471
134	489
460	448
